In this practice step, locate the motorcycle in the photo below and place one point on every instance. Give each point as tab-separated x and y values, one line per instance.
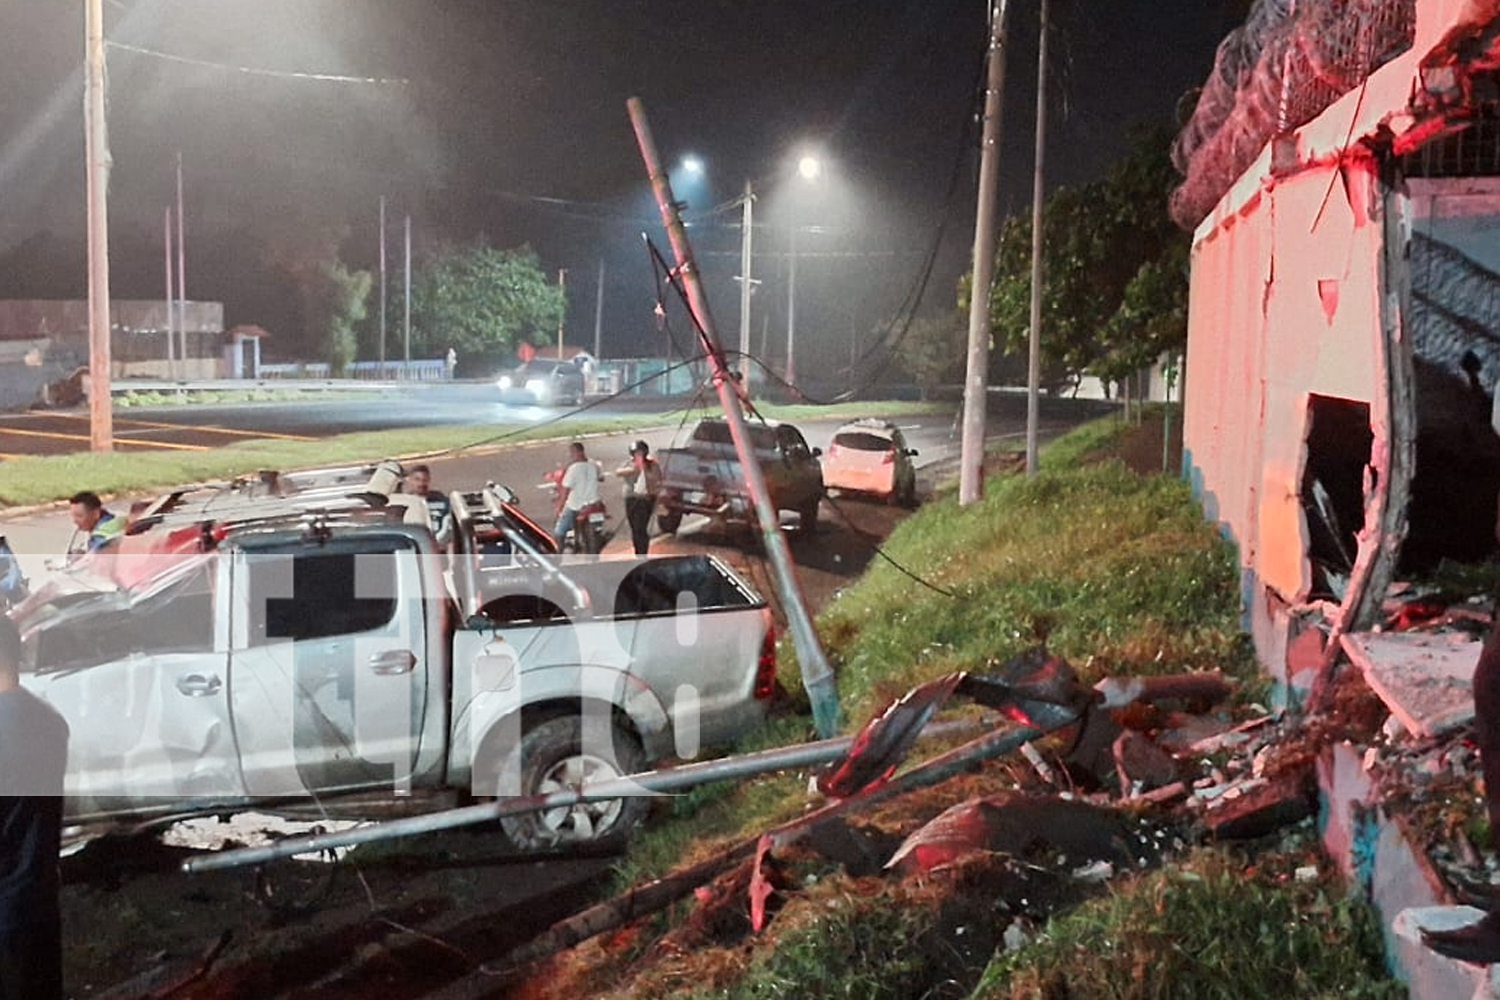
596	531
13	583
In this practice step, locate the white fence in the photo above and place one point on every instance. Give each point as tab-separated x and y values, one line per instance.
373	371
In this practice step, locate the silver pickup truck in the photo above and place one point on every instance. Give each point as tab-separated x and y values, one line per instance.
321	655
704	477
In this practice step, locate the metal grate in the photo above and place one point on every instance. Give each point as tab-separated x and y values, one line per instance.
1473	151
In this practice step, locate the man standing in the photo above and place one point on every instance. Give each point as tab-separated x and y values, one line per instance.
577	494
418	482
33	756
642	477
98	526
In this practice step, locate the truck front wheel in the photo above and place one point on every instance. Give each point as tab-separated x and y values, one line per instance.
553	759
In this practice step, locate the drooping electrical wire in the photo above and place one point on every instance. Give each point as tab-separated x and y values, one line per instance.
255	70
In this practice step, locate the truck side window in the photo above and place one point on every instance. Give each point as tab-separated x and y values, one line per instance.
177	619
323	601
793	445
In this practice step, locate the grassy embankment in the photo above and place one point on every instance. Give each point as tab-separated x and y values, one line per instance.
31	480
1123	576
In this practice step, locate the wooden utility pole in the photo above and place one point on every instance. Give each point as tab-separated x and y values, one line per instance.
96	150
976	377
817	675
1034	353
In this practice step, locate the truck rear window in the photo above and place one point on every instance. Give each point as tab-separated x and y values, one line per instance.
859	441
717	432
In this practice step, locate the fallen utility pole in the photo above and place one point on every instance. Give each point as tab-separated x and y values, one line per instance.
817	675
668	779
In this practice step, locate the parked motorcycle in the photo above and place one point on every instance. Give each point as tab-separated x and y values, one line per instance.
13	583
597	533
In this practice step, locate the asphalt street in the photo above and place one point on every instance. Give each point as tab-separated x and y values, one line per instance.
41	535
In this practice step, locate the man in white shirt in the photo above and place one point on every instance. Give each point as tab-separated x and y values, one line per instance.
577	493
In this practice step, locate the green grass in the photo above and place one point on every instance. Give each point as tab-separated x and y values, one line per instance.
1117	572
1212	927
1122	575
198	397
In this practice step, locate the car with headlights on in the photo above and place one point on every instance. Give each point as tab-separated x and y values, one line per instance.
870	457
543	383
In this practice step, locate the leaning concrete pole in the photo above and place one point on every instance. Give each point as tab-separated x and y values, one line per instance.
817	676
96	151
971	449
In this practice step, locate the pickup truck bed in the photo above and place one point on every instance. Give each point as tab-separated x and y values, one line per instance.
704	475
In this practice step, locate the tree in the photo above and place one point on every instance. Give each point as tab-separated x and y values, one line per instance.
335	300
1114	271
934	349
477	299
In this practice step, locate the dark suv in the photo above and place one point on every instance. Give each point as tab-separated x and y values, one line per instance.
546	383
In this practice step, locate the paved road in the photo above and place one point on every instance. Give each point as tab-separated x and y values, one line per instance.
200	427
41	535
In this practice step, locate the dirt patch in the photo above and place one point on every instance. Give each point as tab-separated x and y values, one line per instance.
1141	447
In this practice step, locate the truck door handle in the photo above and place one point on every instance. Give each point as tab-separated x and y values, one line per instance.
392	662
199	686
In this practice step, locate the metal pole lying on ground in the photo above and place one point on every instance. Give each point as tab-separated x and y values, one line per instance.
665	780
817	675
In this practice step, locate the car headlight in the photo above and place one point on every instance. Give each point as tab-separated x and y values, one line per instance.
537	386
504	382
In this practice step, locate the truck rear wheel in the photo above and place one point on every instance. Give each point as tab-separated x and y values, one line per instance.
553	759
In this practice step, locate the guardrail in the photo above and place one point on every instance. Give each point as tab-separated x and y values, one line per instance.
434	370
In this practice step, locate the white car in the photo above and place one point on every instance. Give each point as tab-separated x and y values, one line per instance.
870	457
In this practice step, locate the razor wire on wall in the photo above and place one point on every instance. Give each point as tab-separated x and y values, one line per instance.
1289	61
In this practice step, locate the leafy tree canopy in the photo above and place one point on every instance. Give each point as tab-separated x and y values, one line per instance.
1115	277
479	299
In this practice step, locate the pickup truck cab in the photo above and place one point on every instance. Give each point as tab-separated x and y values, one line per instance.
317	653
704	475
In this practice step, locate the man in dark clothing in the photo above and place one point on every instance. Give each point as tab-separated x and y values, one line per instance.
33	756
642	476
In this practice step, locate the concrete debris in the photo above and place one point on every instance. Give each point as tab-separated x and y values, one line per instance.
1258	806
1141	764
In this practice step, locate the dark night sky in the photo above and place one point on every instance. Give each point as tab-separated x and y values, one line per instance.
512	124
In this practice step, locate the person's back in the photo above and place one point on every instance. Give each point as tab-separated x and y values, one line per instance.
33	758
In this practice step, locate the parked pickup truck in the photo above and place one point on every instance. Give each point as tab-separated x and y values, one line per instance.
314	652
704	476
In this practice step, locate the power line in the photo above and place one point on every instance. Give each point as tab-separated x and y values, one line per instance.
255	70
